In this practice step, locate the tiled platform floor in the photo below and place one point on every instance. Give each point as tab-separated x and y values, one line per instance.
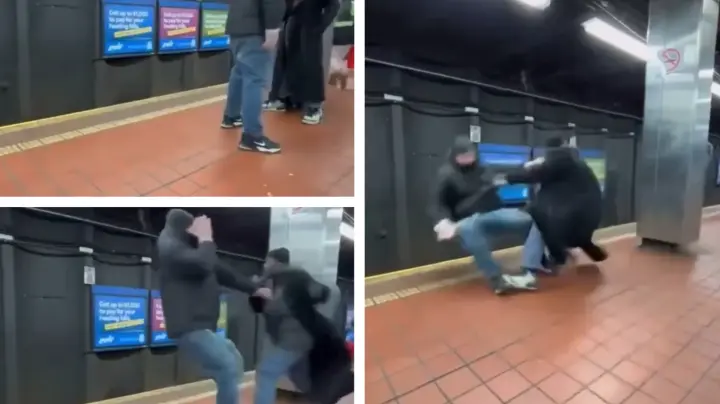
186	153
643	329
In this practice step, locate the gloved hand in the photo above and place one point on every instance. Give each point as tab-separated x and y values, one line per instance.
445	230
500	180
533	163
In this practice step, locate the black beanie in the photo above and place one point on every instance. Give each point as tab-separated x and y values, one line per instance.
281	255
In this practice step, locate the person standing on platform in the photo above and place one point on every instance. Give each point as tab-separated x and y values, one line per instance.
190	279
567	209
467	205
298	75
253	27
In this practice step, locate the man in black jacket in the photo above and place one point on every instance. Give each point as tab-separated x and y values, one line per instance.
253	27
568	206
297	331
299	75
190	279
467	205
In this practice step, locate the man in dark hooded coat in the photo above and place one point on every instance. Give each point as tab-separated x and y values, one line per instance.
298	74
568	207
466	204
190	279
298	331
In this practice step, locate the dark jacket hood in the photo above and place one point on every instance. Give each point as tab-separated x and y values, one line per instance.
560	153
177	222
463	145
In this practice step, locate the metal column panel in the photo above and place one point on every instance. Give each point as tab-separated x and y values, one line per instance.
23	62
399	175
313	237
9	317
672	156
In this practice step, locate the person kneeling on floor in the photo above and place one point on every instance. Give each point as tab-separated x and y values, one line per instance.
568	207
467	205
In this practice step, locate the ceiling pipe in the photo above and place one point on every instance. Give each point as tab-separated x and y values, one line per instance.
502	89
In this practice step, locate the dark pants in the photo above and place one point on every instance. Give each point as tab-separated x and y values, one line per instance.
218	359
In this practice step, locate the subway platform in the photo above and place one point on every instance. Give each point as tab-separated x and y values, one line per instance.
201	393
173	146
641	328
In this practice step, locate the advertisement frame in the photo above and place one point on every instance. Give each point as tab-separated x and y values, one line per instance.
521	152
211	6
103	28
195	5
116	291
155	294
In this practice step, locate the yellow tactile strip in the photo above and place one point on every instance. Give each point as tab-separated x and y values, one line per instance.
423	279
98	111
426	287
23	146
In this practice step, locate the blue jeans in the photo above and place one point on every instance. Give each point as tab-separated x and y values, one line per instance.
473	232
248	78
534	249
275	364
218	359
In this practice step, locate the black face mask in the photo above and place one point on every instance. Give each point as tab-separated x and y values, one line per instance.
463	145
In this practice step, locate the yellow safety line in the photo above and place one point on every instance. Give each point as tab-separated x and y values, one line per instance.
442	265
97	111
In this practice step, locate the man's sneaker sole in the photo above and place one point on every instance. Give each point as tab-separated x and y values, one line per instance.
311	121
260	149
231	126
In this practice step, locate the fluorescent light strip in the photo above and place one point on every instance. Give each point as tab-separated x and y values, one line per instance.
539	4
625	42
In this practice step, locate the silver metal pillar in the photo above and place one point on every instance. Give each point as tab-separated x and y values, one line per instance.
672	153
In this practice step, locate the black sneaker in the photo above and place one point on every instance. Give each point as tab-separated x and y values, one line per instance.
261	144
275	106
231	123
499	286
312	116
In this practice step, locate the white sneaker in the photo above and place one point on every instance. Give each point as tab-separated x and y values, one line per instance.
526	281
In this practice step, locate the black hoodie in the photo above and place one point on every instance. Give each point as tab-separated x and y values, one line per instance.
190	278
568	206
462	191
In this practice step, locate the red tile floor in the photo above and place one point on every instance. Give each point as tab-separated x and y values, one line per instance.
186	153
643	329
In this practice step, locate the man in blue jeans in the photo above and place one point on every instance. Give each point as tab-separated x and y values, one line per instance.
467	205
253	27
190	279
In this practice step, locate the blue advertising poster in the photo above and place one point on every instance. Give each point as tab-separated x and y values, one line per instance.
213	21
179	23
128	27
506	156
119	317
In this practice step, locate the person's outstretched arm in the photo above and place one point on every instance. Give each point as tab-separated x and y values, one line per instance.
231	279
545	172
